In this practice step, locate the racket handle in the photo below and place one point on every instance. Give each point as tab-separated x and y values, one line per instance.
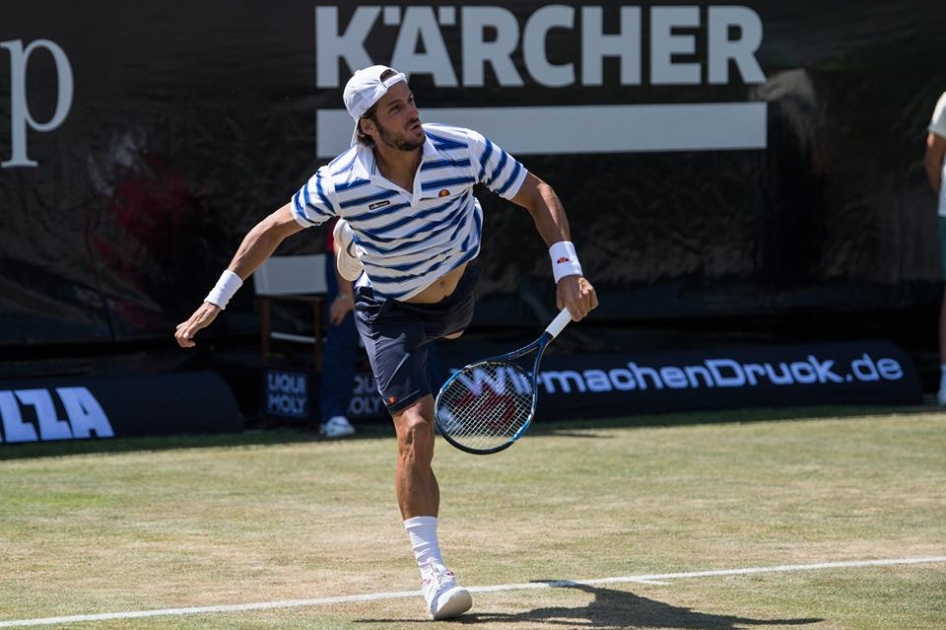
558	324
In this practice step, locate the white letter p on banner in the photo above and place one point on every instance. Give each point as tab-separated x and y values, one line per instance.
20	117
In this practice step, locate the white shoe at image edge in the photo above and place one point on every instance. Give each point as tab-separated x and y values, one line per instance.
445	599
347	262
336	427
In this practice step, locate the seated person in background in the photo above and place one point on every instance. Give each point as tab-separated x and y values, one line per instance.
341	348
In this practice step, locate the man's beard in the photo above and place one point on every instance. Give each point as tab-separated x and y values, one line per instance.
397	142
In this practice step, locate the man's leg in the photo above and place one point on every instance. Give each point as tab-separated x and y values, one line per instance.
338	378
418	497
338	365
417	491
397	342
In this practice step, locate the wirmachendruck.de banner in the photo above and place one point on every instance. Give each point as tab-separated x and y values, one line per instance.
620	384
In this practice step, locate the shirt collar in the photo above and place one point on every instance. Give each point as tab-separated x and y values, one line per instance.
364	161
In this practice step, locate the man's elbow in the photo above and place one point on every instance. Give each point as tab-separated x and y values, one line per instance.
543	187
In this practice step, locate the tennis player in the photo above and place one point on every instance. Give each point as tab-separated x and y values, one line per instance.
409	234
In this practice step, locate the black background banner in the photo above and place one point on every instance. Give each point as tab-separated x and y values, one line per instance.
604	385
101	407
189	121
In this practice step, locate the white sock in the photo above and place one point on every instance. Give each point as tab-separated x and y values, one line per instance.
423	533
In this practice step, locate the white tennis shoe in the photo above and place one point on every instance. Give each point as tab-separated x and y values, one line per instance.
336	427
445	600
347	261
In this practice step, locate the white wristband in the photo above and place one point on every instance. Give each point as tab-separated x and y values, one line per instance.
564	260
226	287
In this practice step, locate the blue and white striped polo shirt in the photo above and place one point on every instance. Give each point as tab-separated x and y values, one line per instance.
408	239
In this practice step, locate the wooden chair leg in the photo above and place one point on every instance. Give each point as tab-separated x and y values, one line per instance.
264	326
318	333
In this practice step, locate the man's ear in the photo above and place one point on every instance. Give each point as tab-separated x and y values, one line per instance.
367	126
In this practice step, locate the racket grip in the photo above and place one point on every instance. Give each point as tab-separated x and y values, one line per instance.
558	324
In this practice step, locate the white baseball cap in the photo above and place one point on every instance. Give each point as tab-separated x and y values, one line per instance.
364	89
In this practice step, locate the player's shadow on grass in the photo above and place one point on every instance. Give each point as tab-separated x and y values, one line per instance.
613	609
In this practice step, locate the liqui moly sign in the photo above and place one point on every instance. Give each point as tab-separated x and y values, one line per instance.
561	48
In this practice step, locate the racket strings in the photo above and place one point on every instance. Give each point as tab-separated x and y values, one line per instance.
486	405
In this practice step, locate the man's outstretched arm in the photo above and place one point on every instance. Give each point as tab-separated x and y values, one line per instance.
257	246
572	289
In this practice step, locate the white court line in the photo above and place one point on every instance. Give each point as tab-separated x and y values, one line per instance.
368	597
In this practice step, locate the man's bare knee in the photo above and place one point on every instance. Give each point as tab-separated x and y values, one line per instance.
415	426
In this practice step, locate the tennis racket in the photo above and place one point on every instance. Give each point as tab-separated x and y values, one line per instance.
486	406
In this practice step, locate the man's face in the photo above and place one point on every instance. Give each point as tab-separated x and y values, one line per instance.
397	121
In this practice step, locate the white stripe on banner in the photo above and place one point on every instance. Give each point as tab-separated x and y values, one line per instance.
585	129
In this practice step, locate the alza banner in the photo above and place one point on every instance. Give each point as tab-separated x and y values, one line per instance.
103	407
30	415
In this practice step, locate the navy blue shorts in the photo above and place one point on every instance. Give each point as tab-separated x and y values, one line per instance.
397	336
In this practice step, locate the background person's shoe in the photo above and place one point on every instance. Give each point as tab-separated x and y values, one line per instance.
336	427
